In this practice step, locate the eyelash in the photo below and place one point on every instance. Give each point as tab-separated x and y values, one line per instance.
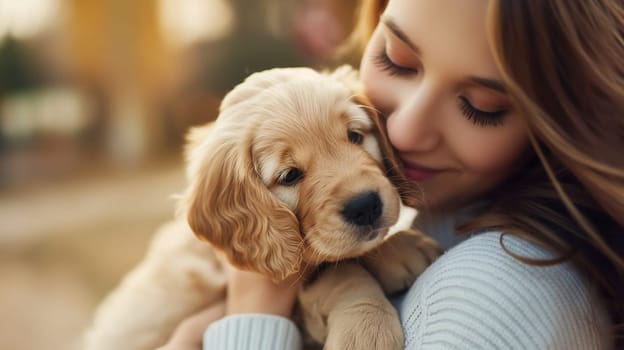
385	64
477	116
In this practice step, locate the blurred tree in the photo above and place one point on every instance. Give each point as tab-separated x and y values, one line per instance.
118	52
17	73
265	34
249	48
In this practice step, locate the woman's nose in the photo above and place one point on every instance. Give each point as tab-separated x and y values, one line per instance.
413	124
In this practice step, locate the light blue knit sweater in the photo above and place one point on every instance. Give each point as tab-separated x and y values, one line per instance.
476	296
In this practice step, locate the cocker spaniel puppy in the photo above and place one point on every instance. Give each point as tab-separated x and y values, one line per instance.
294	174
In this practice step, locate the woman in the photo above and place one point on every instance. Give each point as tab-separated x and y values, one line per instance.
509	115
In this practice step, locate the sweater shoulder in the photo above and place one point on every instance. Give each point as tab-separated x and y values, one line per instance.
477	295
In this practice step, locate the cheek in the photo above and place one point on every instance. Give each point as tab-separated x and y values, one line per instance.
372	81
378	89
492	152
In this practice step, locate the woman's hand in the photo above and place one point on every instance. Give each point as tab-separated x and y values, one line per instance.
189	333
247	293
251	292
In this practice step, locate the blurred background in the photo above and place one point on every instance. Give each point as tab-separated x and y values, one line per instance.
95	98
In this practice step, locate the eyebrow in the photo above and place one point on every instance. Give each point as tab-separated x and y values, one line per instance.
485	82
394	28
489	83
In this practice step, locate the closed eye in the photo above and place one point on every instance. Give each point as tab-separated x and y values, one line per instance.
479	117
383	61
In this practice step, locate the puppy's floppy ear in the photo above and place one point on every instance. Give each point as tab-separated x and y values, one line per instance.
228	205
194	137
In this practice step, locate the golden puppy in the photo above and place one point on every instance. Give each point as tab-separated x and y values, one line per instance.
291	173
294	173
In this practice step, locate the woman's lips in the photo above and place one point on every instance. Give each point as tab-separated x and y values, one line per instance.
419	173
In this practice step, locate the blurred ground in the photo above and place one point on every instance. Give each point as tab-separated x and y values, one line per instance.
69	243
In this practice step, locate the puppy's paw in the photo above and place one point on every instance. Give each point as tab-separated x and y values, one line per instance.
401	259
368	324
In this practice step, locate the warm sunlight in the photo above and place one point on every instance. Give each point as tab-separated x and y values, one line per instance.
24	19
188	21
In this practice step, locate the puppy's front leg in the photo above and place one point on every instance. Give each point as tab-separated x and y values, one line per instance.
401	259
346	309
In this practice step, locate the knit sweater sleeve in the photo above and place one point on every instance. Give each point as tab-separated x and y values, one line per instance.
252	331
477	296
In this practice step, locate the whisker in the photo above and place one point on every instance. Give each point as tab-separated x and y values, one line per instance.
318	259
300	273
363	106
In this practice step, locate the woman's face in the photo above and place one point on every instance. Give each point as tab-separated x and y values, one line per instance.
429	69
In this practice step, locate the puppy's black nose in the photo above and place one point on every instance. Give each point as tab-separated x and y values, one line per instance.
363	209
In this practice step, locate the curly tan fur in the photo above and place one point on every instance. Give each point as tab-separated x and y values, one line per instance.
280	119
238	201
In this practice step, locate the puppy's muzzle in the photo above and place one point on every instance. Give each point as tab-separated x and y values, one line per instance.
363	210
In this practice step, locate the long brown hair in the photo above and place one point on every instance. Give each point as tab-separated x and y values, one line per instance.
562	63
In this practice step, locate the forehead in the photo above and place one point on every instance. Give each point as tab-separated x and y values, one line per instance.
305	122
452	33
312	106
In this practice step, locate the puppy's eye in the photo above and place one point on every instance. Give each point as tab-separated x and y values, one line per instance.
355	137
290	177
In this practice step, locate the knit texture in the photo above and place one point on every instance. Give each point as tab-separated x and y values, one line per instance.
252	331
477	296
